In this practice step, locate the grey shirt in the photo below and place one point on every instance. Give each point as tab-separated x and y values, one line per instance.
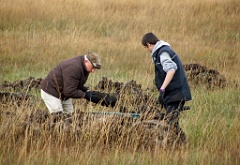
165	59
167	63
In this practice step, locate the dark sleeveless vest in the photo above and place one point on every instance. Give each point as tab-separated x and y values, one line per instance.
178	89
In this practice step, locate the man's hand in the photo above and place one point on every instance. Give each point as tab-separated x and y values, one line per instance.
94	96
161	95
85	88
88	95
101	97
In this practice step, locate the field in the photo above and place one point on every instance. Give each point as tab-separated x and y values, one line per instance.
36	35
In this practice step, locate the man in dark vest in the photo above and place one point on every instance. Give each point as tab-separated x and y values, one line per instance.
170	77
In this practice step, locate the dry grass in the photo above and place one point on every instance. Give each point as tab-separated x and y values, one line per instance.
40	34
36	35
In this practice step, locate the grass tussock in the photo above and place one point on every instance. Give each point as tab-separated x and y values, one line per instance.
37	35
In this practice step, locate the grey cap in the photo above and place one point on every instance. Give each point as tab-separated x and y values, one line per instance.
94	59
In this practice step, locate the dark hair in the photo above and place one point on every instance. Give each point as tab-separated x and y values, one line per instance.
149	38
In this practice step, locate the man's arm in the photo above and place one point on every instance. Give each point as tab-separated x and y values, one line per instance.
169	66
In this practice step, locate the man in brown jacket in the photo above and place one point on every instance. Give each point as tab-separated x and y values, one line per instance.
67	80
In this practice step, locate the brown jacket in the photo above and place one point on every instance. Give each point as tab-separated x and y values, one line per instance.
67	79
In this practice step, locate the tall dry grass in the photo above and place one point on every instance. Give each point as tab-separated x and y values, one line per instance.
42	33
36	35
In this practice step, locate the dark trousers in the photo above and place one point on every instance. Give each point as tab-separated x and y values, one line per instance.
173	106
172	118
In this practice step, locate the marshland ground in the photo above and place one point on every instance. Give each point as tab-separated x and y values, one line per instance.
37	35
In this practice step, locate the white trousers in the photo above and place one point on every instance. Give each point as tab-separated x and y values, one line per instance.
56	105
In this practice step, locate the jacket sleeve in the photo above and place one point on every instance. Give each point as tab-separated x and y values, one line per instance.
70	83
167	62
